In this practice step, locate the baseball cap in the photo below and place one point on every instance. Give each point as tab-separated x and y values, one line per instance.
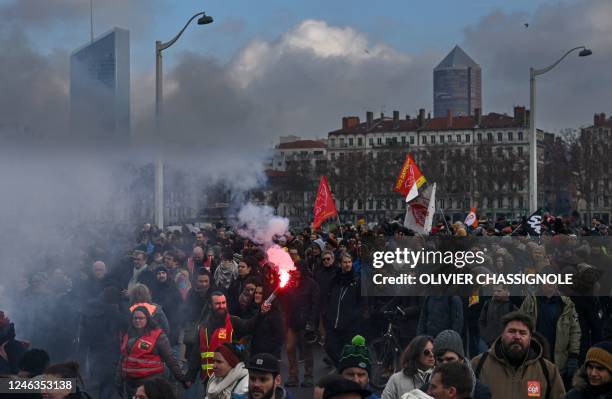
343	386
264	362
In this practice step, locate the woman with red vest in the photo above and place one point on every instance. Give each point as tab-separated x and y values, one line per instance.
144	351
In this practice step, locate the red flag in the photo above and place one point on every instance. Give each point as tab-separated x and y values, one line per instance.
324	207
471	220
409	180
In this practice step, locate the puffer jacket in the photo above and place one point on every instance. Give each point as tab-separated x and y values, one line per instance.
508	382
568	329
583	390
400	383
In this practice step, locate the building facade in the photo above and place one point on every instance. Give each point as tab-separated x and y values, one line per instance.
100	89
457	85
478	161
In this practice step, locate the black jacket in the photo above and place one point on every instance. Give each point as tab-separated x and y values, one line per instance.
301	304
168	296
269	335
344	304
324	276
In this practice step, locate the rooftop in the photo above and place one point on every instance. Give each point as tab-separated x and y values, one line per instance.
302	144
457	58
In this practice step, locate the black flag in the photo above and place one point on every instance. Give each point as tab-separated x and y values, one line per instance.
533	225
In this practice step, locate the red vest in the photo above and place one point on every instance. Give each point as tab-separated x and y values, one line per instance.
140	361
217	338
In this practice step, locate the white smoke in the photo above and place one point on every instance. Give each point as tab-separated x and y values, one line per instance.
260	224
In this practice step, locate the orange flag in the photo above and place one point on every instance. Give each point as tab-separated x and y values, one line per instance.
324	207
410	179
471	219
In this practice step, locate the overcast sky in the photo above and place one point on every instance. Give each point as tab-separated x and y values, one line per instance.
269	68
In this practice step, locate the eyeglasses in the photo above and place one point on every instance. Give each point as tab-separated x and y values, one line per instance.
427	352
446	360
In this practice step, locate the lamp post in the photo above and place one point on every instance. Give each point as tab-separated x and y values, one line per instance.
159	162
533	140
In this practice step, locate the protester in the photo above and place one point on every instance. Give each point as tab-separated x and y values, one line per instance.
268	337
230	377
417	362
493	310
11	350
514	364
264	378
355	364
63	371
345	389
594	379
156	388
452	380
439	313
144	351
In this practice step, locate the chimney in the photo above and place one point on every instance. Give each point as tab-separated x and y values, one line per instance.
395	119
449	118
370	118
478	116
421	118
407	117
349	121
428	115
520	115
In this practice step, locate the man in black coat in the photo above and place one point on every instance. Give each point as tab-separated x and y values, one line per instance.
165	293
11	350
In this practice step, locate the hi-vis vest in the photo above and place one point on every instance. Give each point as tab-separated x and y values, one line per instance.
207	349
140	361
150	307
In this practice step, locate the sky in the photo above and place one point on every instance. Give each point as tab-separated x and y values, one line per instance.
297	67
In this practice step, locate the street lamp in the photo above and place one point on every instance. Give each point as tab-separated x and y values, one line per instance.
533	140
159	162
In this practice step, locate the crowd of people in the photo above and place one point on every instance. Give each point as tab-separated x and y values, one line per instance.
184	313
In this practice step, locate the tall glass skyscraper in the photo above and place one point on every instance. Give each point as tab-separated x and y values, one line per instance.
457	85
100	89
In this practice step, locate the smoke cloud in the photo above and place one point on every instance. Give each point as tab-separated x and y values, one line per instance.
260	225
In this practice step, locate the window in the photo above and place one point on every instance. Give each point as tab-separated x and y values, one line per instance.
332	143
360	142
433	139
370	204
520	136
441	203
388	140
423	139
479	137
520	202
341	155
359	204
342	142
411	139
351	142
510	136
333	156
458	138
371	142
500	152
500	202
379	204
467	138
520	151
403	139
450	138
379	141
489	137
442	139
500	136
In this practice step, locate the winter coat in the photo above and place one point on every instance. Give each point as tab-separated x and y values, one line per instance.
324	276
583	390
439	313
301	304
400	383
100	329
344	304
235	382
169	297
567	342
507	382
268	337
490	320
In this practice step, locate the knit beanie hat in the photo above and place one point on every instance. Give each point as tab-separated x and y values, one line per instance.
601	353
448	340
355	354
232	353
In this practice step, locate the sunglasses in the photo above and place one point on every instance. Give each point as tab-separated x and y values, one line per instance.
327	258
427	352
446	359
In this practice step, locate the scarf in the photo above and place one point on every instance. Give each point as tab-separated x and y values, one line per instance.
224	275
223	387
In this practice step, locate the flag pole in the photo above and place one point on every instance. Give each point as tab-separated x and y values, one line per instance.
448	229
339	226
